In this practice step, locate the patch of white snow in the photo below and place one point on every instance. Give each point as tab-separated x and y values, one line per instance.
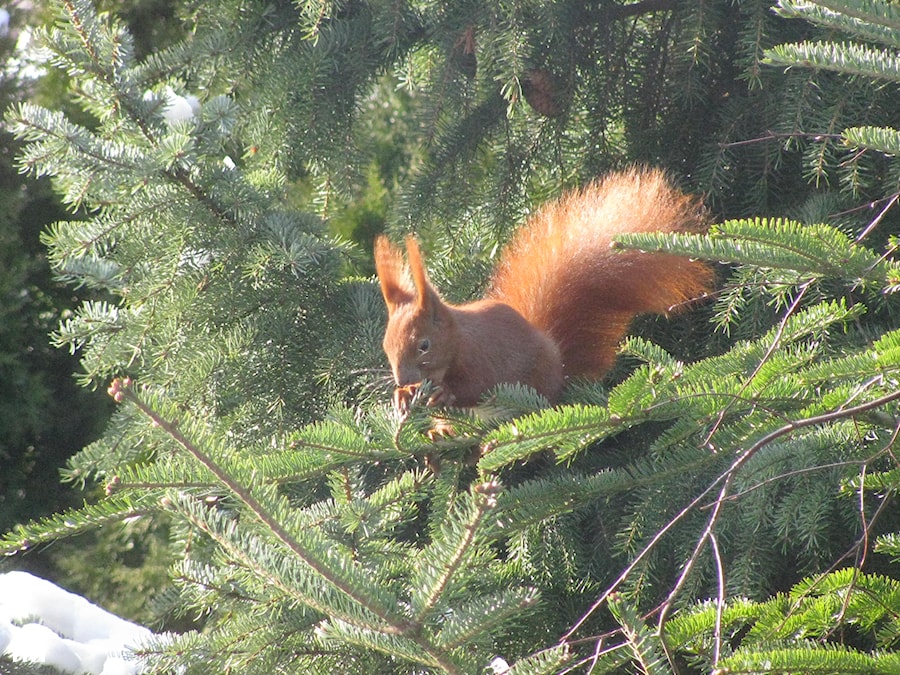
43	623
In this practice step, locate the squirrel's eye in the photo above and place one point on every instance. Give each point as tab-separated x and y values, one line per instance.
424	345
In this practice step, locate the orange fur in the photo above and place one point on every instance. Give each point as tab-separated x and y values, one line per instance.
562	274
560	300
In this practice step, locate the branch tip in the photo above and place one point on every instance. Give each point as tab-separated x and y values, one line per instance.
118	387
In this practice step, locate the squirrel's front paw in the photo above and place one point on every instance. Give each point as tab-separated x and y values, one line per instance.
440	428
441	397
403	397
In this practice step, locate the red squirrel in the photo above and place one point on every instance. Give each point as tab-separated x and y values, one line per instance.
560	299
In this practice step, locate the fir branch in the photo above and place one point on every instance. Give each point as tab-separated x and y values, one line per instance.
865	19
531	502
106	67
393	645
182	176
888	544
774	343
846	58
566	429
881	12
122	390
482	614
257	557
606	657
392	505
444	557
818	250
726	478
810	658
35	124
883	139
646	646
869	602
708	535
75	521
545	662
77	23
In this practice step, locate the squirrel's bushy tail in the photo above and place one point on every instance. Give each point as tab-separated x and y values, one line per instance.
562	274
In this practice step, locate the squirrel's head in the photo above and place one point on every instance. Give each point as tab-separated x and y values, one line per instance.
420	339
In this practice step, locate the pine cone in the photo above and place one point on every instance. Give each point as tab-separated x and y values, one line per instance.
543	91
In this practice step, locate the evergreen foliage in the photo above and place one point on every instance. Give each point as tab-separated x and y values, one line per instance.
729	510
44	416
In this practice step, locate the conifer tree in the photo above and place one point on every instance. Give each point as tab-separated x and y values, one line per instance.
44	416
314	528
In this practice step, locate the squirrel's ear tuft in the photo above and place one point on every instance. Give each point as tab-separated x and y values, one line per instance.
425	293
392	275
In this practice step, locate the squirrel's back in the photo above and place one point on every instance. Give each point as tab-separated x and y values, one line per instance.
562	274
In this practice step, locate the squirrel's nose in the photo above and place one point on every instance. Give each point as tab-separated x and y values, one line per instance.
405	376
